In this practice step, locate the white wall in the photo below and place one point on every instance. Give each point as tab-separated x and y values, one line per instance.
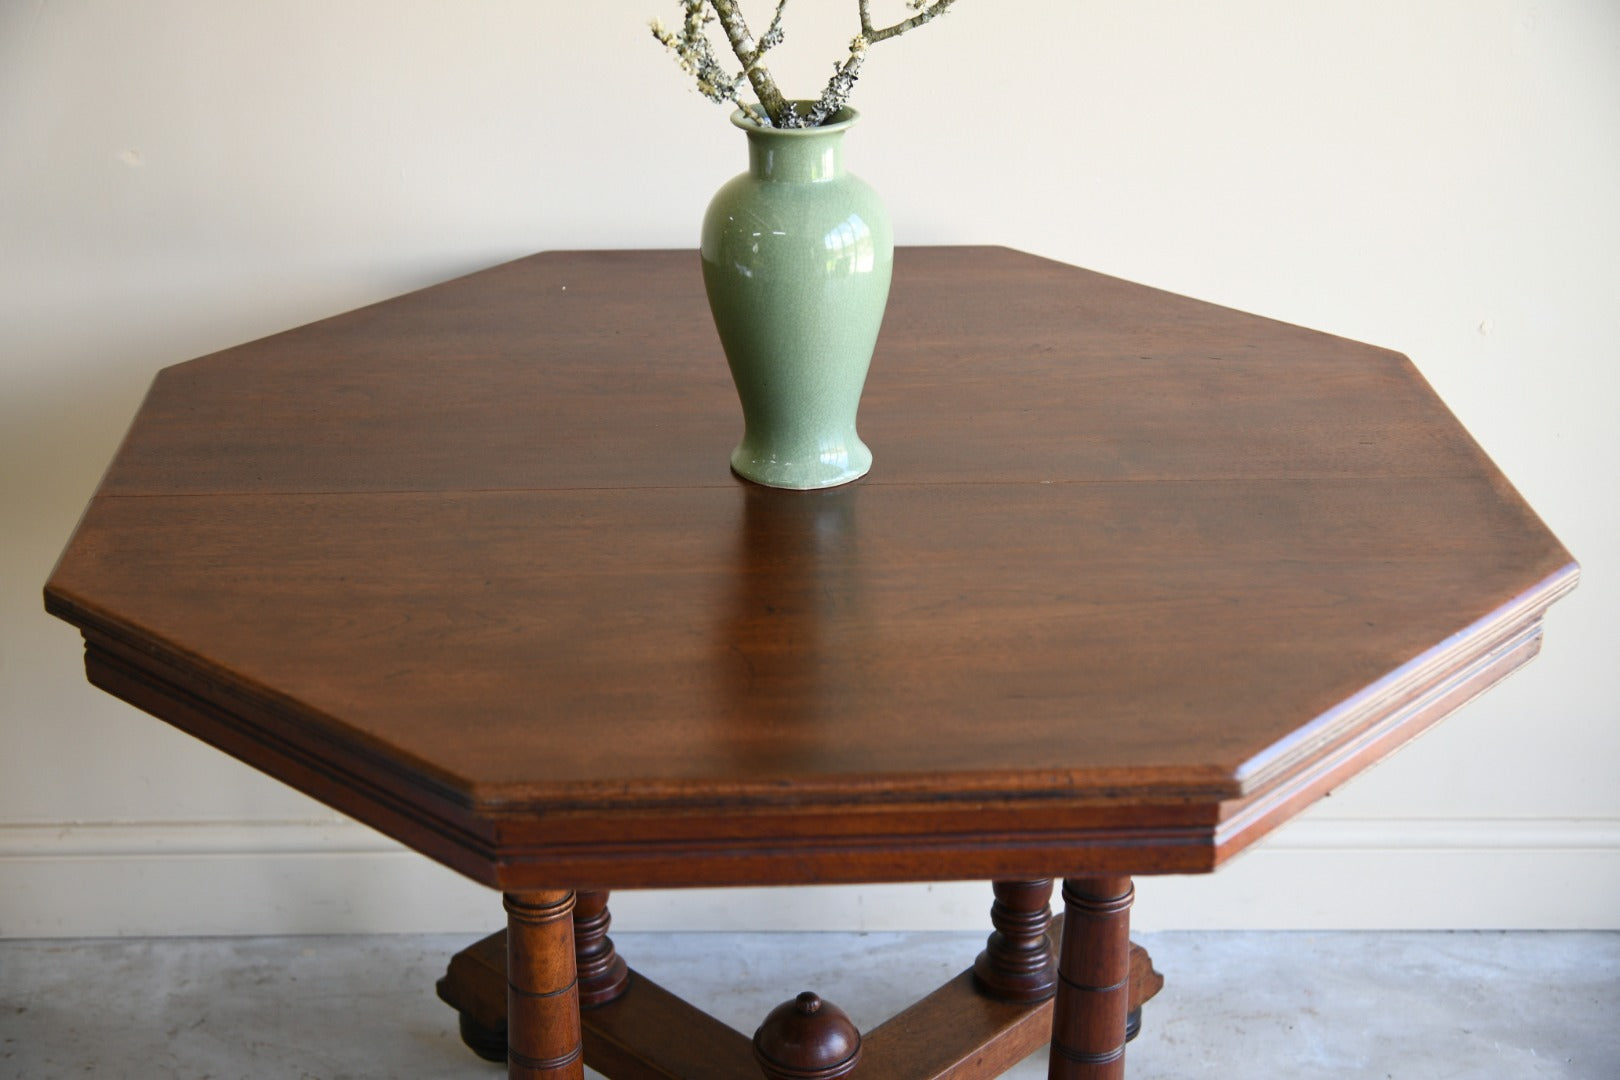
1442	178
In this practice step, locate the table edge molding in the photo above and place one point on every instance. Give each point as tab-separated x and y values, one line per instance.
1381	700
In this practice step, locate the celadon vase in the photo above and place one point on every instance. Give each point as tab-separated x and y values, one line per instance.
797	257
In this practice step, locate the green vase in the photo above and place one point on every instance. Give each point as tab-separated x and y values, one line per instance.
797	256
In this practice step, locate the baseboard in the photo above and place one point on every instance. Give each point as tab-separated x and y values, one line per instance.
333	877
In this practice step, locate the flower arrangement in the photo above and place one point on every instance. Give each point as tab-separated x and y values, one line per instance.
695	52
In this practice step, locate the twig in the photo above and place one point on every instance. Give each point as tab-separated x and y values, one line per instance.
748	53
926	12
691	46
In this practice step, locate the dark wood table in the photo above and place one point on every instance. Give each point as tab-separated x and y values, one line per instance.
1134	580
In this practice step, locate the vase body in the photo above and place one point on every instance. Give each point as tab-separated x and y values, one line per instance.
797	257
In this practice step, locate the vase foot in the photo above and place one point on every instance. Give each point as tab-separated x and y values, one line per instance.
830	470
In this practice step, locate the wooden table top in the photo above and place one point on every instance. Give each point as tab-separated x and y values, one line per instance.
1133	579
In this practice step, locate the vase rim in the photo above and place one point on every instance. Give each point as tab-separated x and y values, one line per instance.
840	121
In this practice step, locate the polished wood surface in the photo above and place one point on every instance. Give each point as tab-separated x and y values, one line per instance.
1134	579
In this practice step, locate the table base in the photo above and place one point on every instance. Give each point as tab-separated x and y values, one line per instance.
627	1027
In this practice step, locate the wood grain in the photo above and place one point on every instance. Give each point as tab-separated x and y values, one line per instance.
1135	579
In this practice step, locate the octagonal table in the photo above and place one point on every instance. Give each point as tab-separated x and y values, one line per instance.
1134	579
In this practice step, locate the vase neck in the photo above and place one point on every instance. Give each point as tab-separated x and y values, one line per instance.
799	155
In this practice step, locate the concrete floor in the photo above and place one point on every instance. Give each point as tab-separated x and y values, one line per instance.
1299	1006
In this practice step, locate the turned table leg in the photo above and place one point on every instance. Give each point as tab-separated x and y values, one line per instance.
631	1027
603	974
542	992
1017	963
1094	976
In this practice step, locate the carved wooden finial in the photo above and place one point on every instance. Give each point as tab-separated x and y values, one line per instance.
807	1039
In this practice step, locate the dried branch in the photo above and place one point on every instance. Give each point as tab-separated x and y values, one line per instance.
696	55
748	53
926	12
773	33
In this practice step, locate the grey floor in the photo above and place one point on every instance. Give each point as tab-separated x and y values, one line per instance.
1420	1006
